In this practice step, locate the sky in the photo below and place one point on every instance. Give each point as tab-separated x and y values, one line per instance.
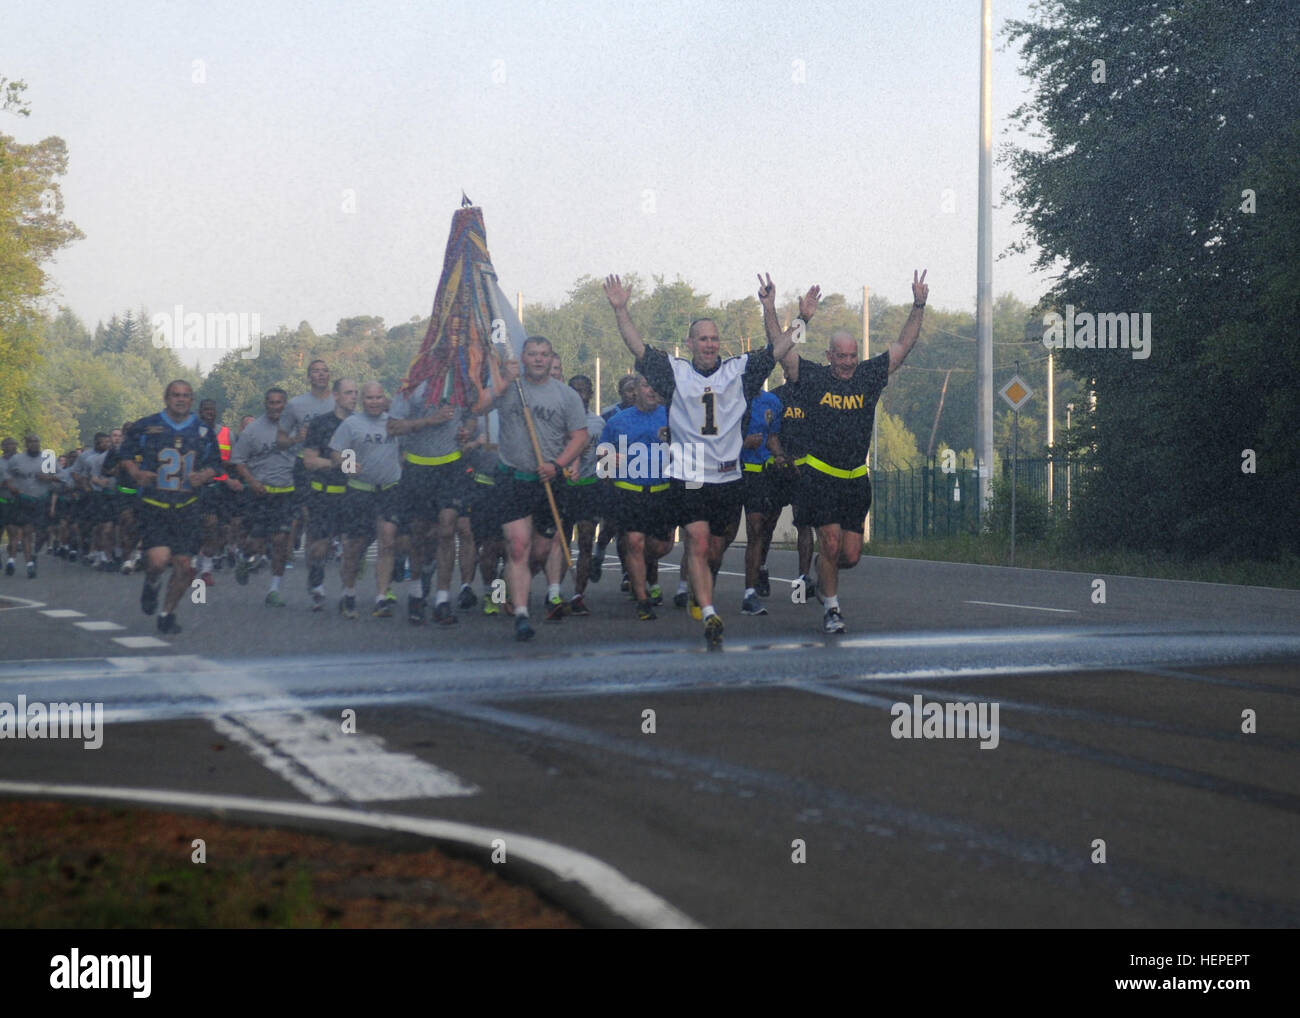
301	161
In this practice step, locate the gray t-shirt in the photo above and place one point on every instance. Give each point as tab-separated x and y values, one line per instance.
90	464
377	453
298	413
557	412
587	461
257	449
23	471
438	440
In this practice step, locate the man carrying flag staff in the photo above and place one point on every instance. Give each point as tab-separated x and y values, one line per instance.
556	419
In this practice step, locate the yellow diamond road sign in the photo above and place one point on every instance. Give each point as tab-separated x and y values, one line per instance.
1016	392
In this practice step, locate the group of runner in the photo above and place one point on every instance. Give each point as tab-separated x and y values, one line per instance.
692	444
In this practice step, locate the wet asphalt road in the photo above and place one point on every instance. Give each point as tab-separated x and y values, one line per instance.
773	790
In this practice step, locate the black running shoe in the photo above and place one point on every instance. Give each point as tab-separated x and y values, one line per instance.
468	600
168	624
443	615
415	610
523	631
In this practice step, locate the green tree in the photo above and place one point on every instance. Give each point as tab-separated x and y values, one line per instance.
32	229
1166	184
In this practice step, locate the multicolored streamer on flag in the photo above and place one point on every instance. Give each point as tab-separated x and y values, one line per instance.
469	314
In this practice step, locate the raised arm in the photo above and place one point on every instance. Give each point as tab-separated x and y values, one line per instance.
783	342
912	327
618	295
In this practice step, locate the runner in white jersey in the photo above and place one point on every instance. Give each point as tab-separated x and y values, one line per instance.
706	399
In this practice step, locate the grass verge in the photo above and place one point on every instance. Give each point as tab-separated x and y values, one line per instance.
66	866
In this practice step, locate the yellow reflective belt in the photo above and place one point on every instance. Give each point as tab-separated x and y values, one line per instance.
329	489
640	487
432	461
826	468
754	468
365	486
273	490
170	505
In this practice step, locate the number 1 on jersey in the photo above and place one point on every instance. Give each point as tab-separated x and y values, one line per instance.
710	427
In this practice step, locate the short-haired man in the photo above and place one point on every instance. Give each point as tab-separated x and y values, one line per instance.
29	496
219	499
299	412
267	469
435	489
325	505
171	455
626	399
560	422
640	504
373	505
580	507
834	488
706	398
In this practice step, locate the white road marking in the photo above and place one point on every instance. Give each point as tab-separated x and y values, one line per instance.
23	603
140	642
1027	607
314	755
312	752
63	613
98	627
633	902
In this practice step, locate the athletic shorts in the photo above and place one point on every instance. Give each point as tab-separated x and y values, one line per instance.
28	511
269	514
362	510
124	502
484	509
428	490
519	498
175	528
826	500
642	512
579	503
719	504
94	509
301	484
215	499
325	514
760	492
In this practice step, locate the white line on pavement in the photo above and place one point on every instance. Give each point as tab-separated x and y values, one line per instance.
1027	607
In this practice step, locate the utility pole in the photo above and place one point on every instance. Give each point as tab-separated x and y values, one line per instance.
984	266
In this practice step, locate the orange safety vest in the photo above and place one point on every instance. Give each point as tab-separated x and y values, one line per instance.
223	440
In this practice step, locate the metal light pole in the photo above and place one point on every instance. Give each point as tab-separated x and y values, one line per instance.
984	265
